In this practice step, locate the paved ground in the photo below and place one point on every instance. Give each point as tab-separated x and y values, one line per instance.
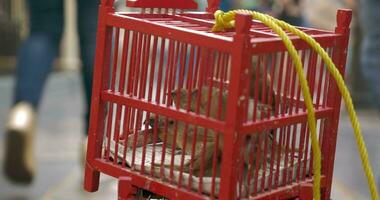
60	134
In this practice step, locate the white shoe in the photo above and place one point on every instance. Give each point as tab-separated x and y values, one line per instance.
19	163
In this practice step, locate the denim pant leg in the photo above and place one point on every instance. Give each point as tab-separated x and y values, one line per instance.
225	5
369	15
37	53
87	27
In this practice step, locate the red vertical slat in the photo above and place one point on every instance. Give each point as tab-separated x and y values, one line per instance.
339	56
290	112
121	90
112	87
143	91
197	64
311	80
165	101
284	106
220	67
202	69
271	102
152	71
190	72
320	83
256	89
158	96
185	132
96	123
182	64
173	79
302	148
263	113
136	115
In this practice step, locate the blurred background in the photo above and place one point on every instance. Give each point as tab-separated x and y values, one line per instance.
60	123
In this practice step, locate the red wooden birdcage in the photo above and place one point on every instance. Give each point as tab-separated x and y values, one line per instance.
186	113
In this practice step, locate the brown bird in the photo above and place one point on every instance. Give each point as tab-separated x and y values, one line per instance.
185	141
199	134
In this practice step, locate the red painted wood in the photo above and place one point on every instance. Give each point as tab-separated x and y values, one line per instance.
339	56
176	4
126	191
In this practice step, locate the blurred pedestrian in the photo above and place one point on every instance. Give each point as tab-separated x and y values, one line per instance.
369	21
226	5
34	63
289	11
264	6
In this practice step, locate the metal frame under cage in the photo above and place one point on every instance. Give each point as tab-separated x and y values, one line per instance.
185	113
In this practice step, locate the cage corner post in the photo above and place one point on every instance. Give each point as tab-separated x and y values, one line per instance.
339	57
232	139
100	82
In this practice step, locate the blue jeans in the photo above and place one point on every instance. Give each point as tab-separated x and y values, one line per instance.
37	53
369	15
225	5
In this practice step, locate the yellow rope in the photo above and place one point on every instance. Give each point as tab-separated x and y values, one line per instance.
341	86
224	20
347	100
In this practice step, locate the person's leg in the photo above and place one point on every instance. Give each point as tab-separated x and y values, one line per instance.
87	25
37	53
370	49
34	64
225	5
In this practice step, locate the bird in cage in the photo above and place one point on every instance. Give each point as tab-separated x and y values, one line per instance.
197	141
